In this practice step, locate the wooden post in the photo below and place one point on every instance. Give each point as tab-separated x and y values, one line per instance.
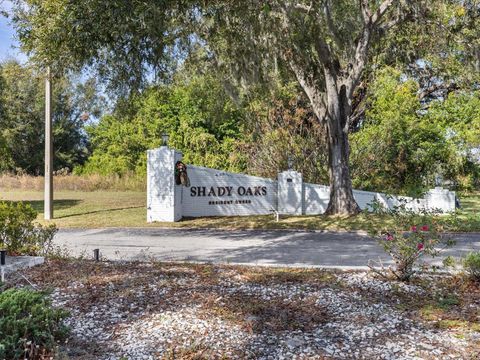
48	196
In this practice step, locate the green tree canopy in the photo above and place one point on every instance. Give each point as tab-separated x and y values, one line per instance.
200	118
402	147
324	45
22	104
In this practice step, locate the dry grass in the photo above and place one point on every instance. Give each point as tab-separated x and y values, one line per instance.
129	182
448	302
285	275
101	209
88	209
110	208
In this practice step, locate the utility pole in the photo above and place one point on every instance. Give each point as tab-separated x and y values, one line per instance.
48	195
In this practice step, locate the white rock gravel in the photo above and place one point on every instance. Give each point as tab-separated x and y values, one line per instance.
355	326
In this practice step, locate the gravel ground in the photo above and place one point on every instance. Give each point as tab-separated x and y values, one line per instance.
185	311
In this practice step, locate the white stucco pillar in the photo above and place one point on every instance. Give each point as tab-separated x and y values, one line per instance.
440	199
164	198
290	193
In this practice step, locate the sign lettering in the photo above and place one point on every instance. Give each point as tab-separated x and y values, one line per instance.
221	191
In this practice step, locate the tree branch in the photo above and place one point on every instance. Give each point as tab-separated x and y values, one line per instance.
402	15
390	24
375	18
317	99
359	61
305	78
304	7
323	51
445	89
365	11
371	24
382	9
330	25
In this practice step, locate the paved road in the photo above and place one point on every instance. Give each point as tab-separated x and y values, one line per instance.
294	248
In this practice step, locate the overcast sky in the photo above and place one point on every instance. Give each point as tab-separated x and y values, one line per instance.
8	44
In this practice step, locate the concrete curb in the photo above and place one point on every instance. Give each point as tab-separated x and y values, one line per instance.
15	263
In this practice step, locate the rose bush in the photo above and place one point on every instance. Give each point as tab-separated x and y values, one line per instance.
406	248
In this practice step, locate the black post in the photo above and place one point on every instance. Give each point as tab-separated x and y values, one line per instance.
3	257
96	254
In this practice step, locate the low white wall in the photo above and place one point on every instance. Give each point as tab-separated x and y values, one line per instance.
318	196
441	199
364	198
220	193
316	199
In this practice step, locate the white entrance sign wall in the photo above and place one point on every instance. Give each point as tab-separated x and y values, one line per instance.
290	193
441	198
364	198
316	199
163	196
219	193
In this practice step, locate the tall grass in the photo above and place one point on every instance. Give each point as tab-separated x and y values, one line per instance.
129	182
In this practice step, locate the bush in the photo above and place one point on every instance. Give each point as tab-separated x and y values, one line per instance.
471	263
19	234
29	326
407	247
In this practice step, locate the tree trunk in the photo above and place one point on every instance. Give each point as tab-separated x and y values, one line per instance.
341	201
332	107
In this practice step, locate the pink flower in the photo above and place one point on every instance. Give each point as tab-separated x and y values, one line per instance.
389	237
425	228
420	246
413	228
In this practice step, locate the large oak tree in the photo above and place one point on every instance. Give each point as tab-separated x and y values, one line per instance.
326	45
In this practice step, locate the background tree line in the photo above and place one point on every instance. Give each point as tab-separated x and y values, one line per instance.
22	119
412	112
399	145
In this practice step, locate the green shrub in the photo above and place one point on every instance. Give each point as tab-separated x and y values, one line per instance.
412	237
29	326
407	248
19	234
471	263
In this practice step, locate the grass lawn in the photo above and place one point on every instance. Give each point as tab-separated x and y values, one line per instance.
187	311
128	209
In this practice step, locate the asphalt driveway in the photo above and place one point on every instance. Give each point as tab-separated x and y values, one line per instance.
255	247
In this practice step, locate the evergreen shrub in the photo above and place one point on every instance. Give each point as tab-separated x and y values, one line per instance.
30	327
